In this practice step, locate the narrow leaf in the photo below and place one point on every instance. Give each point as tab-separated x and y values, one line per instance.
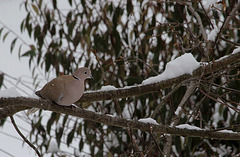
30	53
1	31
51	121
70	2
54	4
70	136
19	51
13	44
35	9
5	36
1	80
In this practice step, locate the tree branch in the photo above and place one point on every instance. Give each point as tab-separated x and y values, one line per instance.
23	137
143	89
119	122
225	23
9	106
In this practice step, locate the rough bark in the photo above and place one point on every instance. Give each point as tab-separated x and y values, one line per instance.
10	106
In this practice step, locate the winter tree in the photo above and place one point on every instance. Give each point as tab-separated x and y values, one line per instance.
167	79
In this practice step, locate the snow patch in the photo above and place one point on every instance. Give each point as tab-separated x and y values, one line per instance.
77	153
107	88
184	64
227	131
178	110
216	116
9	93
111	115
187	126
213	33
148	120
53	147
207	4
236	50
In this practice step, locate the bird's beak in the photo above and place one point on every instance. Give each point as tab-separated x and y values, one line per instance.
91	77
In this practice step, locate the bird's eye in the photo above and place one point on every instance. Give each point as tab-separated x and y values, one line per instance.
85	72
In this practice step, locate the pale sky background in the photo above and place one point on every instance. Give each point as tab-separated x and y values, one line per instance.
11	15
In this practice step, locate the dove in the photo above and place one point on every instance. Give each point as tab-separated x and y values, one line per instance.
67	89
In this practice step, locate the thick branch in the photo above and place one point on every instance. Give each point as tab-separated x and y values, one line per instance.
131	91
155	87
9	106
115	121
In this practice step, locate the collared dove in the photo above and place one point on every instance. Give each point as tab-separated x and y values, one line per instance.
67	89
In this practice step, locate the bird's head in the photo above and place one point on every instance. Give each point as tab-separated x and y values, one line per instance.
82	74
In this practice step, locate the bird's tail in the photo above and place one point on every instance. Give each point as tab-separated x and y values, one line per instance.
32	110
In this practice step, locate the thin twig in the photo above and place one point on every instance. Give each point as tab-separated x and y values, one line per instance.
225	22
23	137
226	88
6	152
209	96
159	149
208	19
229	41
158	108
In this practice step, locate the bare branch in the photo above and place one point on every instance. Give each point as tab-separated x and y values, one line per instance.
115	121
23	137
175	121
1	150
225	23
9	106
202	30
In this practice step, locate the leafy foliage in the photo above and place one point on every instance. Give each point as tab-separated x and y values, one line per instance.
125	42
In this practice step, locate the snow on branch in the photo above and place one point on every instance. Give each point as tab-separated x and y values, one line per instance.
163	80
10	106
144	125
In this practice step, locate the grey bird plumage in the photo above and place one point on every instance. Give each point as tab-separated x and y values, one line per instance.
67	89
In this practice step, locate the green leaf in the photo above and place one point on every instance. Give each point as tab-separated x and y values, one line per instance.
54	4
70	136
5	36
71	133
81	143
13	44
51	121
64	120
53	30
129	7
37	32
1	81
48	17
19	51
83	3
29	29
2	121
22	26
70	2
47	61
35	8
40	4
39	57
71	27
30	53
1	31
59	134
